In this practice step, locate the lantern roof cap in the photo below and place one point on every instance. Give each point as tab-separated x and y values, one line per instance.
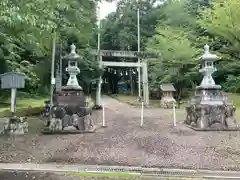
207	56
72	55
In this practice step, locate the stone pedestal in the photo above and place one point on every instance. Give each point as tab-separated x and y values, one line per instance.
71	118
167	103
15	126
167	99
211	116
210	109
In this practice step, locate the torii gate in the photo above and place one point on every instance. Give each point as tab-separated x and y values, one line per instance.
126	54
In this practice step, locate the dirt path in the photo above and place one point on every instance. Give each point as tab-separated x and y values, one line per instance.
124	142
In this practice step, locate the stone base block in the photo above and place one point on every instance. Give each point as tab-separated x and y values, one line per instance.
167	104
72	123
15	126
47	131
214	129
205	116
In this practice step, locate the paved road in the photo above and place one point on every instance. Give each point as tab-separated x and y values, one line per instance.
63	171
14	175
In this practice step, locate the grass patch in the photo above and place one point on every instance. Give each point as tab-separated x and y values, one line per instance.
235	99
126	98
106	175
184	178
25	106
122	175
23	103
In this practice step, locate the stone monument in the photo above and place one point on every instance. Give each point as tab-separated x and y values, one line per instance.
209	109
71	111
13	125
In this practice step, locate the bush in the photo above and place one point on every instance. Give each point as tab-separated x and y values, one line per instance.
232	84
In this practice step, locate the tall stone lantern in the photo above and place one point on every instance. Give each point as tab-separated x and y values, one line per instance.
209	108
71	111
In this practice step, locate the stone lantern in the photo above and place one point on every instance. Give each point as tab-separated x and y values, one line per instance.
209	108
71	111
72	69
207	68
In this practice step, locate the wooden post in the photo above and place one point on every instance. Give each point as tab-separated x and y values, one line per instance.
145	82
174	115
142	114
13	100
131	82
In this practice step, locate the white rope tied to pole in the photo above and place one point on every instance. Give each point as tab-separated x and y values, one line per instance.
142	115
174	115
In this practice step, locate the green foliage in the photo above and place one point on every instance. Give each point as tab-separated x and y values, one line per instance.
232	84
222	24
177	63
178	29
27	30
25	106
120	28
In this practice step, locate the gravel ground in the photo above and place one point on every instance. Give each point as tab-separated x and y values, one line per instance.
124	142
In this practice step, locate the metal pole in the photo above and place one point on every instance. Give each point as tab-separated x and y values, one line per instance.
52	73
139	68
61	66
98	93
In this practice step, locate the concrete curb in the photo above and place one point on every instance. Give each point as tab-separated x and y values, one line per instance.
154	172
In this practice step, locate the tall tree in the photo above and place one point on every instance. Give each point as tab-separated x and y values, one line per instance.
26	31
177	63
221	22
119	29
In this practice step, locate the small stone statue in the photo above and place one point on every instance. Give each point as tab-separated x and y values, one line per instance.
16	126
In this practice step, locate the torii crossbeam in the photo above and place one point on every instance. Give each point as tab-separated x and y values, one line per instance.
126	54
